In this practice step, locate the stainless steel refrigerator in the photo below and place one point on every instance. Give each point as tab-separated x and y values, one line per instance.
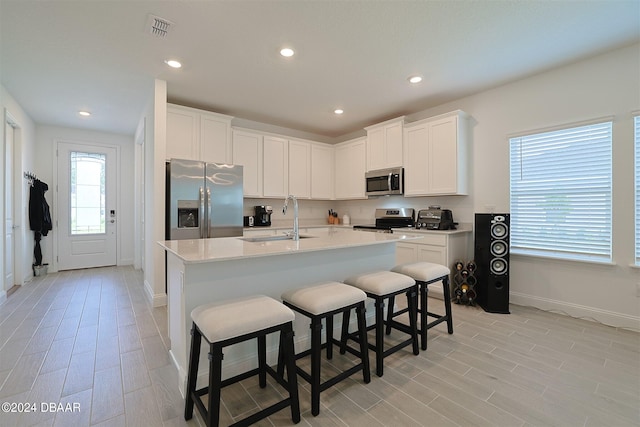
203	200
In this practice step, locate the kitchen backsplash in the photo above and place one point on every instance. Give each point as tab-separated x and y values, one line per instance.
362	211
461	206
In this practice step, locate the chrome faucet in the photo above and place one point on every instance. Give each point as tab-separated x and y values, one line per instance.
296	230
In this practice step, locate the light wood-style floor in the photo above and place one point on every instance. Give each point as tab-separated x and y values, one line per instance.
89	338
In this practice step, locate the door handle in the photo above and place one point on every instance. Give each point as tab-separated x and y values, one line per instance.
208	224
201	209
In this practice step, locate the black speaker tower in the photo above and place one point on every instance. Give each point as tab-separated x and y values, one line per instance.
491	255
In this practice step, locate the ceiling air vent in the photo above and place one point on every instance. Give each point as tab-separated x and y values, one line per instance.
157	26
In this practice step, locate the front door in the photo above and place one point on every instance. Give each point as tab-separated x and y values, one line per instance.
86	208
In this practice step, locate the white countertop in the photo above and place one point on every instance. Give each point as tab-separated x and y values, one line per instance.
228	248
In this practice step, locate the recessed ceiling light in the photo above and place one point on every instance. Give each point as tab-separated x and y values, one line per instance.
287	52
415	79
173	63
338	111
84	113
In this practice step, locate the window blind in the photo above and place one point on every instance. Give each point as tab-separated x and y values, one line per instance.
561	193
636	121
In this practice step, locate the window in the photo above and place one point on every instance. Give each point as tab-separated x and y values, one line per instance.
87	193
561	193
636	121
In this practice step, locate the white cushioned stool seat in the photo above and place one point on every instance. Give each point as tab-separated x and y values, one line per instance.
324	297
383	286
422	271
426	274
380	282
219	321
321	302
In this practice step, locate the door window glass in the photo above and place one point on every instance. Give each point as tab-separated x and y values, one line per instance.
87	193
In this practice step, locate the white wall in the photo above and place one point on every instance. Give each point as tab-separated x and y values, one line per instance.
154	120
24	148
45	162
606	85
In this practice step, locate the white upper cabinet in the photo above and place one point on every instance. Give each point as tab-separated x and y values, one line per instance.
182	133
198	135
215	138
384	144
350	169
275	172
435	156
300	169
322	171
247	151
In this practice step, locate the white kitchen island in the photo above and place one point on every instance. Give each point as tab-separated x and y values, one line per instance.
201	271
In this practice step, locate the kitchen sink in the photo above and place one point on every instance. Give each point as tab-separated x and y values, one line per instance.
271	238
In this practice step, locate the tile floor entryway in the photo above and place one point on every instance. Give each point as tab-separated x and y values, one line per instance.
88	337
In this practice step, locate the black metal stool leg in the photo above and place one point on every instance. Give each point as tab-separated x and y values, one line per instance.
292	376
316	343
262	361
215	380
379	305
346	315
281	361
447	303
390	313
194	358
423	314
364	345
329	333
412	303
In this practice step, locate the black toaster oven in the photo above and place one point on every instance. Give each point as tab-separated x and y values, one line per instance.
435	218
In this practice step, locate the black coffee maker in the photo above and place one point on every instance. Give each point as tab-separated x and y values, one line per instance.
263	216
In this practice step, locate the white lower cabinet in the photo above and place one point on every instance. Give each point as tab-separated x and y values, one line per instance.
443	248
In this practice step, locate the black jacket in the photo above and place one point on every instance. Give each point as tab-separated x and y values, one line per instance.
39	215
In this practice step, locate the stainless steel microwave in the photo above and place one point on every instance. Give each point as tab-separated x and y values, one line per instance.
384	182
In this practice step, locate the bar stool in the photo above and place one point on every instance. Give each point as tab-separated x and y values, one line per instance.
323	301
426	273
381	286
229	322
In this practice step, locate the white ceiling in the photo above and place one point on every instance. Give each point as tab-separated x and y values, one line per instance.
58	57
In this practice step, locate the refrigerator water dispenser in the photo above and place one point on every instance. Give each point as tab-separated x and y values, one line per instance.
188	214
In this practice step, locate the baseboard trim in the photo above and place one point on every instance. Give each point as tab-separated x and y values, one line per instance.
609	318
156	300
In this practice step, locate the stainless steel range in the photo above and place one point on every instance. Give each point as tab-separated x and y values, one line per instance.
389	218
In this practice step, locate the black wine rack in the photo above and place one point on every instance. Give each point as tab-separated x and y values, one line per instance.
464	281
